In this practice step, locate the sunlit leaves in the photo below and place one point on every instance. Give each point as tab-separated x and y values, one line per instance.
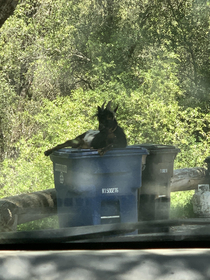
60	59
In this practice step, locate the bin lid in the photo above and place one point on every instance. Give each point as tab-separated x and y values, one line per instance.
87	153
158	148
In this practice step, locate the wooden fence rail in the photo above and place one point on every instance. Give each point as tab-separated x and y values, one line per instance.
189	178
24	208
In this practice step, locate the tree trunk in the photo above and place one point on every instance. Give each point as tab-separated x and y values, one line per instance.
188	179
7	8
24	208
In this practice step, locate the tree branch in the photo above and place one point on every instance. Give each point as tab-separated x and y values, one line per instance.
7	8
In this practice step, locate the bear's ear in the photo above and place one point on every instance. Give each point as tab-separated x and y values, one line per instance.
102	107
115	110
108	106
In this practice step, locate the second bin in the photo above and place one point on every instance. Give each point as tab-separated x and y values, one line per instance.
154	195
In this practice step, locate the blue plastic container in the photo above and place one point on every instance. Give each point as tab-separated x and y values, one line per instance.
94	190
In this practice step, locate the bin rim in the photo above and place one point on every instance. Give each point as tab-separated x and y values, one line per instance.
159	148
90	153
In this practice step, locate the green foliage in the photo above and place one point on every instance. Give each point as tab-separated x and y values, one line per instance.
145	117
45	223
58	46
181	205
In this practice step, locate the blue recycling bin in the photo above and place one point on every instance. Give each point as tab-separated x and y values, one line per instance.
93	189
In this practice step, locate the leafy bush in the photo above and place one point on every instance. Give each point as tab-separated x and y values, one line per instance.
144	117
45	223
181	205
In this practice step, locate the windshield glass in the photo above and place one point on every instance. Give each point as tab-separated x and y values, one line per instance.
104	119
